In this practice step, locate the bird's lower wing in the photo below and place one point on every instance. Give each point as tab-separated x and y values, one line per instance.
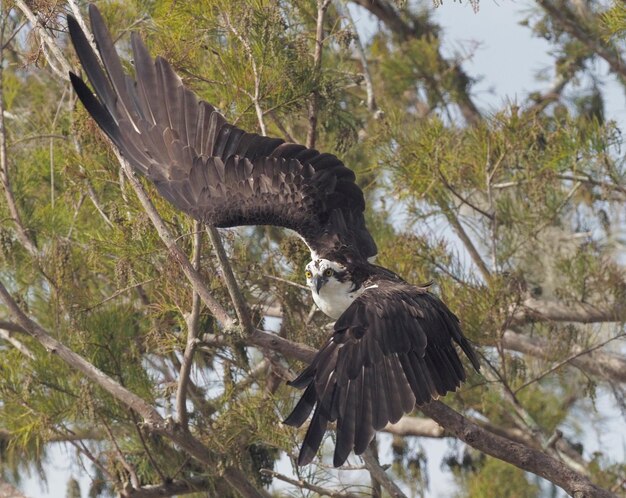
391	349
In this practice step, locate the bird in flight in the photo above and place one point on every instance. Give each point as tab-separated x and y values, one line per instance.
392	347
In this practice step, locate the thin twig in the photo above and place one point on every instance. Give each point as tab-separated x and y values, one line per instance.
568	360
299	483
467	242
134	480
192	336
256	99
8	336
117	293
241	307
48	41
367	77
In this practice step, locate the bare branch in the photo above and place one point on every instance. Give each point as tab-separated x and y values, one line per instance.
241	307
78	363
367	77
534	309
371	462
173	488
603	364
192	336
306	485
9	491
8	336
467	242
416	426
48	41
256	98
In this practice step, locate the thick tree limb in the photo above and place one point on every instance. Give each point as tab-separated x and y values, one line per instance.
416	426
515	453
153	420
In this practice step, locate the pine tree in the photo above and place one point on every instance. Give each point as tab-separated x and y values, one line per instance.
517	216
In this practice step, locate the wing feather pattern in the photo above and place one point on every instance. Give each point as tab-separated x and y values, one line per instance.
212	170
392	348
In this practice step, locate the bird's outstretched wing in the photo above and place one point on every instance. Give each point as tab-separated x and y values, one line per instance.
390	350
209	168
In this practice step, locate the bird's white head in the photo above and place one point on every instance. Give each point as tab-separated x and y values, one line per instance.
331	285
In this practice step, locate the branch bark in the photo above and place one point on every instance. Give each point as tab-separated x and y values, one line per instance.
169	240
605	365
515	453
533	309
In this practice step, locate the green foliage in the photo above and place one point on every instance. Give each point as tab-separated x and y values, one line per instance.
536	187
497	479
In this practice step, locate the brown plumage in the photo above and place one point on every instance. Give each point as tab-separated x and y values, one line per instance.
393	344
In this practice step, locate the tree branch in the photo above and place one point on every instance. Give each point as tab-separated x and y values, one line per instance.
169	240
602	364
192	335
367	77
241	307
48	41
515	453
179	487
416	426
533	309
371	462
306	485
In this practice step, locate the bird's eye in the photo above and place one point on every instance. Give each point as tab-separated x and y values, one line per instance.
308	274
328	272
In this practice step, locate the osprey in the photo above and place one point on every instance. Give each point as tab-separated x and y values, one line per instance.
393	343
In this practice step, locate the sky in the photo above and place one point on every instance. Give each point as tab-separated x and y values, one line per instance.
506	58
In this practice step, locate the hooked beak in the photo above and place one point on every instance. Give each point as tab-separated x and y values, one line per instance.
319	281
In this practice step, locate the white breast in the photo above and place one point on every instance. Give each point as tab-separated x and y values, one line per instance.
335	297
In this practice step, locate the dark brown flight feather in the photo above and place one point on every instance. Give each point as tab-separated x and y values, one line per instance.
208	168
392	348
